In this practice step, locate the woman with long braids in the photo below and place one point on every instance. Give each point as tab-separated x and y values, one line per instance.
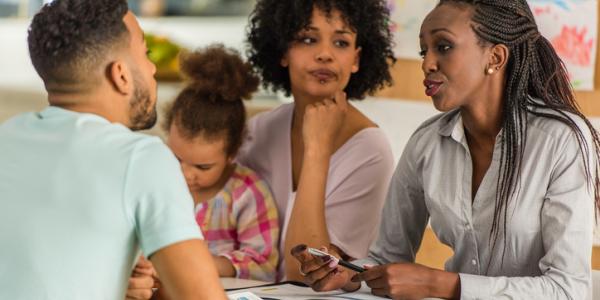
507	175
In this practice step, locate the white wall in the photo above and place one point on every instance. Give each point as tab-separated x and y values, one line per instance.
16	71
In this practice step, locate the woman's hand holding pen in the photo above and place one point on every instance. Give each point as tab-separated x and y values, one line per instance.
323	273
410	281
323	122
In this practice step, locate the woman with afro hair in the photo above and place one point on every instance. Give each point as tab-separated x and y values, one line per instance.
327	164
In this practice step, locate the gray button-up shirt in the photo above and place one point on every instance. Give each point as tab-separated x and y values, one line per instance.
547	250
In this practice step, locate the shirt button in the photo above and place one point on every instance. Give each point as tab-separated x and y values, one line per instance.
474	262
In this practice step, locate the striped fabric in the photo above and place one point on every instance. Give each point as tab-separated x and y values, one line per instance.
241	224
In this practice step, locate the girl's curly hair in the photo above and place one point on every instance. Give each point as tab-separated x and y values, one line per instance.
275	23
211	103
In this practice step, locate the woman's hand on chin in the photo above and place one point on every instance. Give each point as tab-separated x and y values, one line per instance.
323	122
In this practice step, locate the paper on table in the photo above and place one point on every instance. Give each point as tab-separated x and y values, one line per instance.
293	292
243	296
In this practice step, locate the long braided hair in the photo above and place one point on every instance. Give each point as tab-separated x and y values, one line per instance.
535	78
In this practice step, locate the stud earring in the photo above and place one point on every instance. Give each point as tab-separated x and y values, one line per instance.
490	71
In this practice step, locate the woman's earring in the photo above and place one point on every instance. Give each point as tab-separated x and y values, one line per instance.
490	71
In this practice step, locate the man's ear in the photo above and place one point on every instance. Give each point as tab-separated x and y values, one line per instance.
120	77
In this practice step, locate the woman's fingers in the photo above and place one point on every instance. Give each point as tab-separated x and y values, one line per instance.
313	268
309	262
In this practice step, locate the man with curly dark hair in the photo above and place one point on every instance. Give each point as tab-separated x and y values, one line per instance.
80	193
337	167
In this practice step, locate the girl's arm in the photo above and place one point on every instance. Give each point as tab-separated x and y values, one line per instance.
257	232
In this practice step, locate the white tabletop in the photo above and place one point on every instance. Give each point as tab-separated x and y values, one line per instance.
235	283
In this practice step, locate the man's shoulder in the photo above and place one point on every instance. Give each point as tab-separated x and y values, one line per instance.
15	121
115	137
76	129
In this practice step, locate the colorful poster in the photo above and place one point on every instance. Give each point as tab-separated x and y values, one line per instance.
407	16
571	26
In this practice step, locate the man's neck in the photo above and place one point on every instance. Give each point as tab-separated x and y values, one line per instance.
92	103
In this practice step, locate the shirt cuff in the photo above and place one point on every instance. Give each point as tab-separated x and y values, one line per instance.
475	286
365	261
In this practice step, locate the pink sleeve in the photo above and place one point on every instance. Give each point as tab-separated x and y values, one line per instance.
257	233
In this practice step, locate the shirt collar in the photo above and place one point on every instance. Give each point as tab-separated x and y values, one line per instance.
451	125
55	111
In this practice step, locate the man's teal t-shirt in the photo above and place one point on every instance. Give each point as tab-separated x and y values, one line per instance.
79	196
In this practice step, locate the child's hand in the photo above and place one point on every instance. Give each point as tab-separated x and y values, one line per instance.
142	281
322	123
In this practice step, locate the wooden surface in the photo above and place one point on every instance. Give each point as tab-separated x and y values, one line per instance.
433	253
596	258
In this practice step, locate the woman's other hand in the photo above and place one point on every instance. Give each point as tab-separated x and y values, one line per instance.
410	281
323	273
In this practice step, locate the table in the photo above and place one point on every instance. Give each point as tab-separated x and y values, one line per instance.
235	283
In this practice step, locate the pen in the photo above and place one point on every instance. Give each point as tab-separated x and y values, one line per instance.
342	263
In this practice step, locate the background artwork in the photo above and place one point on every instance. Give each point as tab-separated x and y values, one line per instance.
571	26
407	16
